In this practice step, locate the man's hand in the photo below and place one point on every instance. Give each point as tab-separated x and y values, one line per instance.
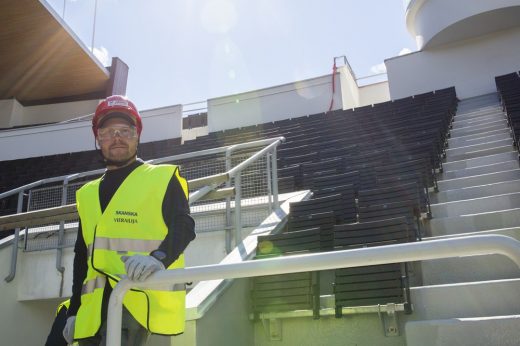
68	331
140	267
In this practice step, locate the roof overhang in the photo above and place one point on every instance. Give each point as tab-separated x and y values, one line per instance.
41	59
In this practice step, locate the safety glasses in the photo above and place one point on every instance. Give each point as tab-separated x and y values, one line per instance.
110	132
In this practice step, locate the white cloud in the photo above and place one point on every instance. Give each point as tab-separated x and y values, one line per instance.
405	51
379	68
102	55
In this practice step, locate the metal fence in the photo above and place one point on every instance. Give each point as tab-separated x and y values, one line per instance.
248	170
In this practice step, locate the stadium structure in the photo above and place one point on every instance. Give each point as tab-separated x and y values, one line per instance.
349	214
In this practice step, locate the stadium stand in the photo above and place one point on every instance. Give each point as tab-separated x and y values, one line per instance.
508	87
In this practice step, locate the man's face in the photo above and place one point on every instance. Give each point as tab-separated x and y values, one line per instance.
113	143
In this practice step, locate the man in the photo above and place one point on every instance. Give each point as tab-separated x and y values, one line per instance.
134	220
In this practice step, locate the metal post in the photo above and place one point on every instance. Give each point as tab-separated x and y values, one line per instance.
238	209
274	174
228	206
269	185
59	248
14	252
94	27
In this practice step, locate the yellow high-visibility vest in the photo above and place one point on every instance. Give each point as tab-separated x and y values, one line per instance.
132	223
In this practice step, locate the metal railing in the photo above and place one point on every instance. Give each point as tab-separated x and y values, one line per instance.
408	252
202	188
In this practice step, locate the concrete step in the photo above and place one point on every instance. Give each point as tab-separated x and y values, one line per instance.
479	137
491	144
470	268
454	165
471	331
457	225
464	126
459	123
473	130
473	299
504	148
477	205
469	193
484	169
477	180
479	101
477	113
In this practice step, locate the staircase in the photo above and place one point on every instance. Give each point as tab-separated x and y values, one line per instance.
472	300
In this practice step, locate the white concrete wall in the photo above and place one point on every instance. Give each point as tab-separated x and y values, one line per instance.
349	88
469	65
374	93
9	110
23	323
158	124
427	18
189	134
57	112
285	101
12	113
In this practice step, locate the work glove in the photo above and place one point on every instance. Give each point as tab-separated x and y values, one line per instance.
140	267
68	331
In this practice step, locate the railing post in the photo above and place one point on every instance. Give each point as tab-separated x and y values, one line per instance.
238	209
59	249
274	175
14	253
269	185
227	231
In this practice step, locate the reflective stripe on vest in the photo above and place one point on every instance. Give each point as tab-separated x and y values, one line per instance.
132	223
125	245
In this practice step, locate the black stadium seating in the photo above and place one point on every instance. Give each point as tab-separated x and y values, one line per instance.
508	87
370	170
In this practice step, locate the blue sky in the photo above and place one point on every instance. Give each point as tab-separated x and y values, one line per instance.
183	51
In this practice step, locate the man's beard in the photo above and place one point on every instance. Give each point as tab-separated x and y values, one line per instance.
119	163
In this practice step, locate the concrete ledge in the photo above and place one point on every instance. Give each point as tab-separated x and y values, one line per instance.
474	223
477	331
485	169
484	145
481	161
480	138
476	205
477	180
473	192
484	298
471	268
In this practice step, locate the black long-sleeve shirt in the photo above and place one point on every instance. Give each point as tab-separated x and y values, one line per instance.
175	210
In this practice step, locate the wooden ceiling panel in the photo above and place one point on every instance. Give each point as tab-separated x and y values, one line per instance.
40	59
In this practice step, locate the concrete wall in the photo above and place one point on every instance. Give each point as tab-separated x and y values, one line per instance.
12	113
158	124
226	323
469	65
23	323
425	19
271	104
374	93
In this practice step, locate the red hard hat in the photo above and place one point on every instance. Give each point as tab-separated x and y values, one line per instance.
117	104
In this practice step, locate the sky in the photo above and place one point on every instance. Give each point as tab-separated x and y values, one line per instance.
185	51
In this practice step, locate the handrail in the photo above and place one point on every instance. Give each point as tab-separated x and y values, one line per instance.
206	187
408	252
218	150
208	184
